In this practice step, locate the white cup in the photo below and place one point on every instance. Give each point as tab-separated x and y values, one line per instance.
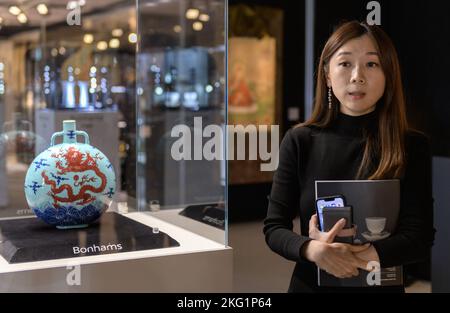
375	224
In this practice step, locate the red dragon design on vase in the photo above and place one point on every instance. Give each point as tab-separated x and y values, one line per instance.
75	162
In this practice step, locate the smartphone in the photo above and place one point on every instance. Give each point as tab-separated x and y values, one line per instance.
331	201
331	215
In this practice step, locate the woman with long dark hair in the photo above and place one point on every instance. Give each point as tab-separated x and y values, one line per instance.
358	130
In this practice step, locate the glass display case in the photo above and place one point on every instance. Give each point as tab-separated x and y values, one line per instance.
181	94
97	189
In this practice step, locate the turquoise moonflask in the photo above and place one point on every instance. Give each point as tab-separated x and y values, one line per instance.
71	184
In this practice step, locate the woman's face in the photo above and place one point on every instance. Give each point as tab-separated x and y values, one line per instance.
356	77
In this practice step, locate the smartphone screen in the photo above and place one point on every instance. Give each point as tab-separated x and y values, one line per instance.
329	202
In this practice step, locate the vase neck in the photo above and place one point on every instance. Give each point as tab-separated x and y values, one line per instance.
69	129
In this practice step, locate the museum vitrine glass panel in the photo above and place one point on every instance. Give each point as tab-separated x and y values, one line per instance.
181	110
93	95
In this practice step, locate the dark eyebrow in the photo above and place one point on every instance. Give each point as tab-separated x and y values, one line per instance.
349	53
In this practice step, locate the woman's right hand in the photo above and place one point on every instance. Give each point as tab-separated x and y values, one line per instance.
337	259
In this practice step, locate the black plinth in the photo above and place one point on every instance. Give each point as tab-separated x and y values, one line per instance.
212	214
30	239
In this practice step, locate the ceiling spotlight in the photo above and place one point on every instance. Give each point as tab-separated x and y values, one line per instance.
42	9
22	18
71	5
198	26
177	29
14	10
192	14
74	4
102	45
117	32
132	38
204	17
114	43
54	52
88	38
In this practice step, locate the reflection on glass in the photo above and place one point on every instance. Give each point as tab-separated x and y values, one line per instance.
181	71
17	150
181	79
50	71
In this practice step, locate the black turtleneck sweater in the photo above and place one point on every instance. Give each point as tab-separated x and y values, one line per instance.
308	154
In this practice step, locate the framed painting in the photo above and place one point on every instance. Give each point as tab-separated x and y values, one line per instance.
251	80
254	78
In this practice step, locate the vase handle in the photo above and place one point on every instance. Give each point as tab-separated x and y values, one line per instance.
78	132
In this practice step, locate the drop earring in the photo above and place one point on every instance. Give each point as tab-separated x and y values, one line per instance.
329	98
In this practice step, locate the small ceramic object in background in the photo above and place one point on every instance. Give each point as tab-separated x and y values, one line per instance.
71	184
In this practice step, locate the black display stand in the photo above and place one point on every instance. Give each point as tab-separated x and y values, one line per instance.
30	239
212	214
